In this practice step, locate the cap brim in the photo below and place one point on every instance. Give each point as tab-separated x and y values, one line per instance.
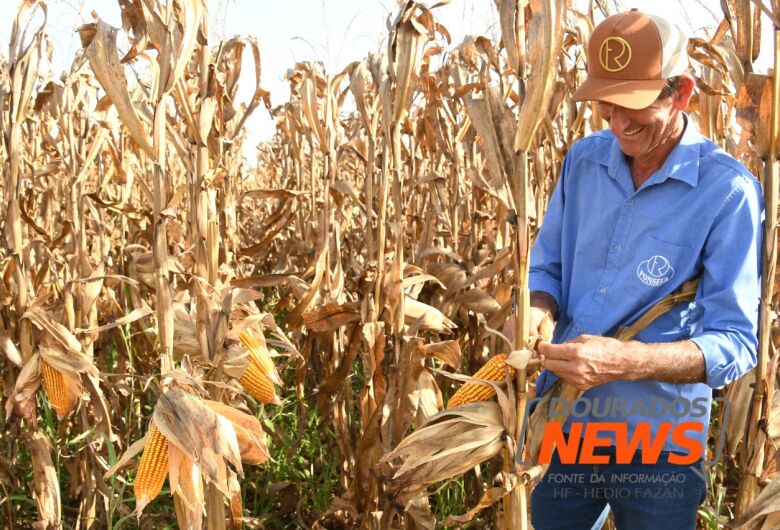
628	94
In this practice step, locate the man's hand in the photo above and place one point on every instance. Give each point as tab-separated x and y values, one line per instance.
541	317
586	361
589	361
537	325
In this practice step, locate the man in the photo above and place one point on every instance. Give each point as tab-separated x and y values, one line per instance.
640	209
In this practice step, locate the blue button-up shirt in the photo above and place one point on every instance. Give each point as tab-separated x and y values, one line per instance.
607	252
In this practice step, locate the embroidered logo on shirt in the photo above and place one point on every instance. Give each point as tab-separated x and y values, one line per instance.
655	271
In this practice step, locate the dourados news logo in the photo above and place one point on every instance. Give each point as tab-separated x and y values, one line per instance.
584	438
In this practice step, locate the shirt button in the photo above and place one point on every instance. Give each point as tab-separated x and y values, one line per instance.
618	248
631	202
603	290
580	330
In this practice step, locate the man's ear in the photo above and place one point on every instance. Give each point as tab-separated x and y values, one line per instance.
684	92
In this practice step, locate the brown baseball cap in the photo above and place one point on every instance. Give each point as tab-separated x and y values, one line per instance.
630	57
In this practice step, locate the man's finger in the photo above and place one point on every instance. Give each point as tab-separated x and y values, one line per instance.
554	351
560	368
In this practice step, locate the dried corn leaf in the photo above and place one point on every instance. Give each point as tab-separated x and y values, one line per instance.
9	348
447	352
249	433
452	275
419	511
207	438
311	108
745	29
132	316
54	329
192	12
330	317
773	425
753	110
410	281
451	443
478	301
510	15
135	449
360	82
99	41
295	317
489	498
236	504
274	194
24	58
66	361
430	318
738	394
21	400
771	522
546	31
496	266
411	30
187	488
495	125
427	397
45	483
768	501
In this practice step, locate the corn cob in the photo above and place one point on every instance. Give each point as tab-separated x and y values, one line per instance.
473	392
56	391
257	383
153	467
256	353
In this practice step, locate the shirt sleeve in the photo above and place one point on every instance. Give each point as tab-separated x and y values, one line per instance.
729	288
545	267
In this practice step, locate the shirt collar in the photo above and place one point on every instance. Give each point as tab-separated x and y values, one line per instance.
682	163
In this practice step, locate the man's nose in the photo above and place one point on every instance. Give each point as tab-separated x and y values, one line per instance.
618	120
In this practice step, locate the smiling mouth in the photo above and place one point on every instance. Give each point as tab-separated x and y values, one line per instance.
634	132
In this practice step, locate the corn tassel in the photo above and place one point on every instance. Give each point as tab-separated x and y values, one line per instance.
153	467
56	390
473	392
257	383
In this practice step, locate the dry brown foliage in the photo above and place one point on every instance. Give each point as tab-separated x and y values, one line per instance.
387	225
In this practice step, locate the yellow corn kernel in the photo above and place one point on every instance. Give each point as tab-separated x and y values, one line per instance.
56	391
473	392
257	383
257	352
153	468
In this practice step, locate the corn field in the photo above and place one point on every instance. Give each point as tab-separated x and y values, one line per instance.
189	343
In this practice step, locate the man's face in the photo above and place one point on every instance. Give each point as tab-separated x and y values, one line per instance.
640	132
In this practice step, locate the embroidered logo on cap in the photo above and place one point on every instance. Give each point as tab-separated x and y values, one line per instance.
655	271
614	54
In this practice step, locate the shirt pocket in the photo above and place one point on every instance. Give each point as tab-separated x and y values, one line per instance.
657	269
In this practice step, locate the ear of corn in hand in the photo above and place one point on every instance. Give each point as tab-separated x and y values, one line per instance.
472	392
